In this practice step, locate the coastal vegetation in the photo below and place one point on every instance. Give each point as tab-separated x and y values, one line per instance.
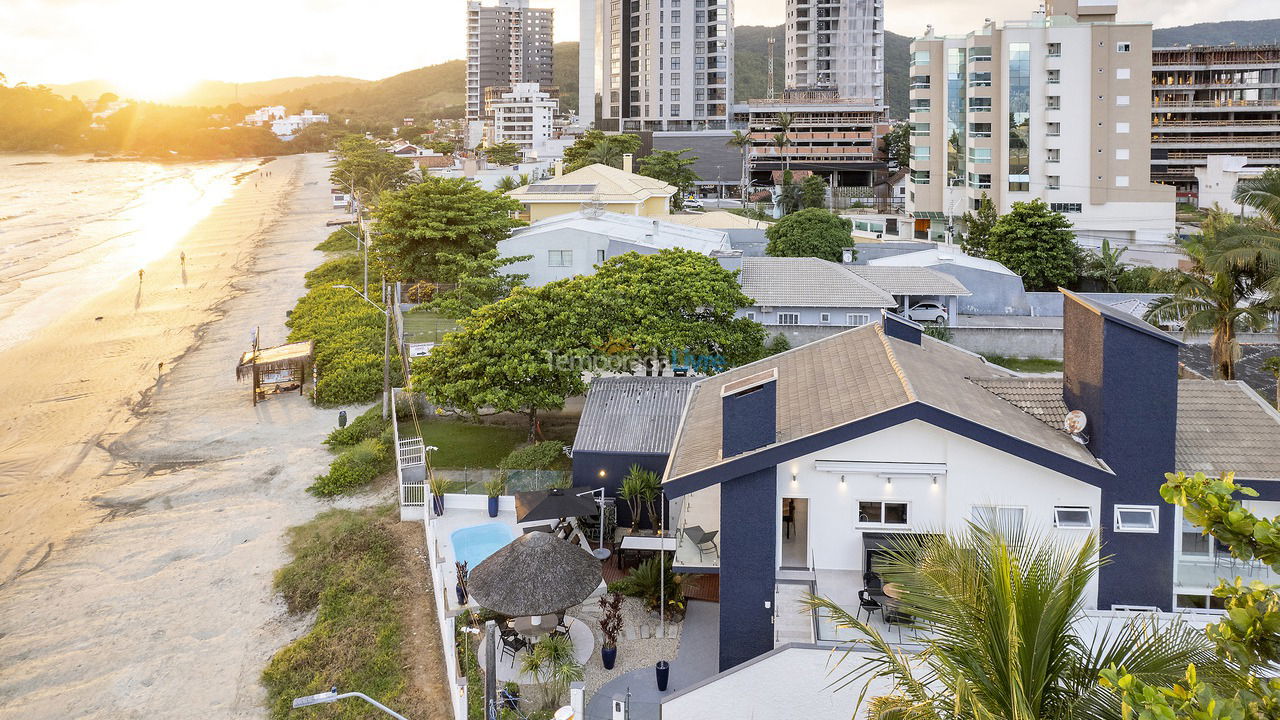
812	232
365	589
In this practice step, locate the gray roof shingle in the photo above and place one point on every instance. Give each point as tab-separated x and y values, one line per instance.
1224	426
907	280
808	282
636	414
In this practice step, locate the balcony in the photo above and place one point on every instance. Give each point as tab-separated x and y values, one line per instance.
693	516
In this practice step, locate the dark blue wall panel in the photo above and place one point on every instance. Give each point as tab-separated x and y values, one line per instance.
750	419
587	467
748	530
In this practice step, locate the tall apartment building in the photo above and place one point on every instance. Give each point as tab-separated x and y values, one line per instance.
1212	100
522	114
662	65
836	44
1056	108
507	43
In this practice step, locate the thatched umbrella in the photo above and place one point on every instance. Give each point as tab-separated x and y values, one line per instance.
535	574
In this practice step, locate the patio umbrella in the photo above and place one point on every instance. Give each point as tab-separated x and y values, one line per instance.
554	504
535	574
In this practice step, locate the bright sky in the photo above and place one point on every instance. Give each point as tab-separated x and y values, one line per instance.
154	46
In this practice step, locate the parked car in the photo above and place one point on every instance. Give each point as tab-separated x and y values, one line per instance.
693	203
927	312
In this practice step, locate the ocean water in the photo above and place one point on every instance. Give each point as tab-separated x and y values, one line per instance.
70	227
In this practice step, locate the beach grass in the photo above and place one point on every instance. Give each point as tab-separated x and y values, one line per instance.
1027	365
463	444
348	568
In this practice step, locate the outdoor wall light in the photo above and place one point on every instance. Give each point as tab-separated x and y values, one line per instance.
795	475
888	481
841	479
935	480
602	472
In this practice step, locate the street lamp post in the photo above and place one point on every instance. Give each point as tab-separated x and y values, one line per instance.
386	345
333	696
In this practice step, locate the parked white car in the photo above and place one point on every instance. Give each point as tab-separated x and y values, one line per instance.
927	312
693	203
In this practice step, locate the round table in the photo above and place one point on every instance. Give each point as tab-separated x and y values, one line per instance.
525	626
894	590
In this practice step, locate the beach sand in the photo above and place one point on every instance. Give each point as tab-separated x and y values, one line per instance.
143	510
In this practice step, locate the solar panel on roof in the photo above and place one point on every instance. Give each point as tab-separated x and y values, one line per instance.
563	189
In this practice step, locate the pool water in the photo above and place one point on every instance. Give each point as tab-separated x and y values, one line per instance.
477	542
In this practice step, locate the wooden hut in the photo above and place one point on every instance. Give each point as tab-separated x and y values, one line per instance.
277	369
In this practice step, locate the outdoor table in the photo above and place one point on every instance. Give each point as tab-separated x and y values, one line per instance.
894	590
525	626
893	593
646	542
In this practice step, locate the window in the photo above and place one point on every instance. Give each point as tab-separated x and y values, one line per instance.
1122	181
978	104
919	82
880	512
1053	102
982	181
1123	47
825	318
1198	602
1137	519
920	177
979	79
1054	155
1072	517
1122	73
1122	100
919	129
980	54
1055	49
1054	77
980	130
979	155
1122	128
1053	129
751	314
1122	153
857	319
920	153
1066	207
599	256
919	105
920	57
559	258
788	318
1005	517
675	63
1053	182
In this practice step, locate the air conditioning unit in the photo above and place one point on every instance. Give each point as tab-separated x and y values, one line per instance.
766	309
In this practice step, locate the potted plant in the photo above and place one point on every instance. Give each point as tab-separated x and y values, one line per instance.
435	484
494	489
611	627
461	587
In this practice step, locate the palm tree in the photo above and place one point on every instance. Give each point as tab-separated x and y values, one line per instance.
1106	266
1001	606
506	184
605	152
741	140
1220	294
1272	365
1262	194
552	662
781	141
785	120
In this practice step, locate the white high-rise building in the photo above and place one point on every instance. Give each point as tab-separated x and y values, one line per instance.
836	44
507	43
660	65
1057	108
523	115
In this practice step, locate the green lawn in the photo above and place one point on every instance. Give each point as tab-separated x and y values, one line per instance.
423	326
465	445
1028	365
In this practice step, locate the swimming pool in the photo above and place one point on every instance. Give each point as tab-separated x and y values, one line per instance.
477	542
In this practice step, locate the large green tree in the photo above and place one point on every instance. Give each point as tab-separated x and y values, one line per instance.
596	147
671	167
1106	266
368	169
439	217
978	225
813	192
507	153
812	232
473	281
896	144
1036	243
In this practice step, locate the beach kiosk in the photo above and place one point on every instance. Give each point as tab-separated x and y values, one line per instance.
277	369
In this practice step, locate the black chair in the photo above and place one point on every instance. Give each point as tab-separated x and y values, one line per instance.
512	644
561	625
703	540
869	605
873	582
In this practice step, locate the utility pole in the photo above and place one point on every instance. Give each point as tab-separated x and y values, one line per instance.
769	89
386	353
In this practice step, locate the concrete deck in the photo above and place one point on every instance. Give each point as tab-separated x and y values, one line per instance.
508	668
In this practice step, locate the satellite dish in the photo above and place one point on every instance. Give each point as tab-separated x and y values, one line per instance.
1075	422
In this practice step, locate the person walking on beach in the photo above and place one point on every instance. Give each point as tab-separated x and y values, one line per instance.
182	258
139	276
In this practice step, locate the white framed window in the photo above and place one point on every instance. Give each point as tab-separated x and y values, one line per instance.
788	318
856	319
1122	100
1122	181
559	258
825	318
751	314
1054	49
1123	47
1122	73
1137	518
1005	517
1122	153
1054	182
884	513
1075	518
599	256
1122	128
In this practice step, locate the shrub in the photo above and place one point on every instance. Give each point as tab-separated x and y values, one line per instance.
367	425
538	456
348	270
339	240
353	469
645	582
778	344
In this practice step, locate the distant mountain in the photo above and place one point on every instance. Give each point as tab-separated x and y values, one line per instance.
435	91
1240	32
214	92
564	73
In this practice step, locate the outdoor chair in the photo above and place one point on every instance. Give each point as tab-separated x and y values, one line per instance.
873	582
703	540
869	604
512	645
561	624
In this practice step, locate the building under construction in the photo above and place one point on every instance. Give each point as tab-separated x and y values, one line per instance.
1212	100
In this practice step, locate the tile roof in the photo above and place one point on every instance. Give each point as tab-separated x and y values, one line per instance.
606	183
1039	397
656	233
906	280
632	414
718	220
856	374
1224	426
808	282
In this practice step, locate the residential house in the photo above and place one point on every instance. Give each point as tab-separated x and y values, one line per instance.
910	286
993	288
810	462
574	243
619	191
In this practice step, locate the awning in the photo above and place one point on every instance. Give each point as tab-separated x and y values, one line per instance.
928	215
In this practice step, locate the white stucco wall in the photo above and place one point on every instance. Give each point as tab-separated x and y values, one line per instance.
975	475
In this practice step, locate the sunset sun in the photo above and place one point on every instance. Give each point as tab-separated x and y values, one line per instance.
153	83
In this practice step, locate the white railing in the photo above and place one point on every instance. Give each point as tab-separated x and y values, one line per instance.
409	454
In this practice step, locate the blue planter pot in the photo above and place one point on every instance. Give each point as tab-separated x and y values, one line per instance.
493	507
663	669
437	504
608	656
